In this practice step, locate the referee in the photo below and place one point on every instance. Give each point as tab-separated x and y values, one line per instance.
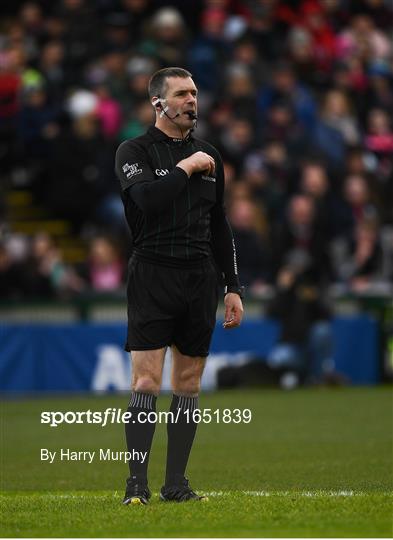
172	189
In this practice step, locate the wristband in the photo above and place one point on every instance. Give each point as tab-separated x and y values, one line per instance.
234	289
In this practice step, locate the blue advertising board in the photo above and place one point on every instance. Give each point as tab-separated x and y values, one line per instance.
90	357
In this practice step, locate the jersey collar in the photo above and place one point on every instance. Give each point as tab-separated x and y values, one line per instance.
159	135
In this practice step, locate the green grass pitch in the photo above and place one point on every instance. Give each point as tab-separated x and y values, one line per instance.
312	463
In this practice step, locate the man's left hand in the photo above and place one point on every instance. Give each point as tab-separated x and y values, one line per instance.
233	310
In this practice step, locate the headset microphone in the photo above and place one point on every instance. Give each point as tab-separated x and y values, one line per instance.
158	103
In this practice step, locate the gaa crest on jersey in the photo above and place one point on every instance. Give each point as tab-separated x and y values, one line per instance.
161	172
131	170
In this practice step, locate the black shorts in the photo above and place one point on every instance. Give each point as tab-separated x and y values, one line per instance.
171	306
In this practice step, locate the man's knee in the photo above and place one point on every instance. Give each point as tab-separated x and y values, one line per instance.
147	371
147	384
187	384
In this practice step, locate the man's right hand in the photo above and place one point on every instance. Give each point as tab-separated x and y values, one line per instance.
198	162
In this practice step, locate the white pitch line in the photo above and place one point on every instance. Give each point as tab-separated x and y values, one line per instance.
308	494
312	494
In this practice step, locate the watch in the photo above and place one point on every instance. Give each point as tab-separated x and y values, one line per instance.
234	289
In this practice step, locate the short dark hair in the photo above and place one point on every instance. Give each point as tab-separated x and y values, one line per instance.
158	81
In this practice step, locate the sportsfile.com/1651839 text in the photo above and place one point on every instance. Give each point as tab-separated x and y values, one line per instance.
113	415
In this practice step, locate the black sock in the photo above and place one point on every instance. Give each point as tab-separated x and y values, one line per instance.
139	435
180	437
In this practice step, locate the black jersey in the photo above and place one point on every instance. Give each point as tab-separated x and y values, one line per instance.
173	217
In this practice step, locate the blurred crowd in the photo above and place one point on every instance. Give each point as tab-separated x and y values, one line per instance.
296	95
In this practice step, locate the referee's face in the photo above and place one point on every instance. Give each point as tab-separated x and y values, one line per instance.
181	97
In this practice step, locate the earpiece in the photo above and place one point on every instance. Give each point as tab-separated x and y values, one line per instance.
157	103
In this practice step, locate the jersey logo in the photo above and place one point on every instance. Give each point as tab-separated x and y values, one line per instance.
131	170
208	178
161	172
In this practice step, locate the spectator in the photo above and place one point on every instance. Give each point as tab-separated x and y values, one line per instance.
323	41
301	53
299	243
379	143
305	347
379	136
358	259
241	91
37	126
25	45
32	20
248	227
337	13
166	37
357	162
284	86
138	121
245	53
104	271
379	93
44	273
350	78
337	113
139	70
51	65
81	165
357	204
113	65
81	36
268	178
263	30
117	34
108	112
236	141
281	125
314	183
336	129
138	11
208	52
363	40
